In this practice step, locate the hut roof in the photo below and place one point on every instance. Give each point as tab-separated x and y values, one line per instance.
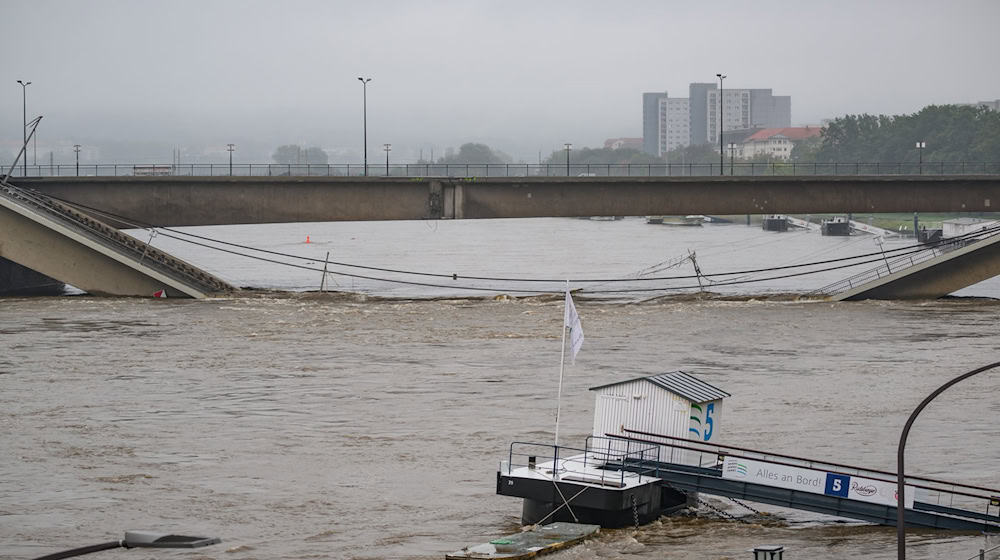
680	383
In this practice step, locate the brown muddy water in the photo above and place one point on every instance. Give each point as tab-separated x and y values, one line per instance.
305	426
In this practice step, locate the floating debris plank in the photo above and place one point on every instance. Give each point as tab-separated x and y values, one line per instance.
528	544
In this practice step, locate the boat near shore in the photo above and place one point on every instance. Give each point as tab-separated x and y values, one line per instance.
692	220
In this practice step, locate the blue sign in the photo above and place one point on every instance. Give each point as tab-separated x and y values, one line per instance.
837	485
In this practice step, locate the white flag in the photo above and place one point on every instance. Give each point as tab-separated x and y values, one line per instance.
571	321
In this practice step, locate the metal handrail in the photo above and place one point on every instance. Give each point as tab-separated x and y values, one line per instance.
729	449
513	169
635	457
982	553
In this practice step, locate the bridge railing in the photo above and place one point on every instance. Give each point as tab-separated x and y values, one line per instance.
898	263
741	169
928	490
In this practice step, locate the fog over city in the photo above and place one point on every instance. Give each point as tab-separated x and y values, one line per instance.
135	80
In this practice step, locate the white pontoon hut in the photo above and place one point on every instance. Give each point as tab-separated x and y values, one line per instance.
675	404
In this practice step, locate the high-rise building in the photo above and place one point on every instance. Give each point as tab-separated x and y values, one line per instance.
675	124
651	121
742	109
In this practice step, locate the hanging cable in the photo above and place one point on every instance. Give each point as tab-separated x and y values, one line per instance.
871	258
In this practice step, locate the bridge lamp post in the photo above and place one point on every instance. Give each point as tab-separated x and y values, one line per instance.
364	116
568	147
24	118
732	152
230	148
76	149
900	478
722	154
387	148
920	155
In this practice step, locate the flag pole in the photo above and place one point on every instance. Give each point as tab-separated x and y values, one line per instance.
562	364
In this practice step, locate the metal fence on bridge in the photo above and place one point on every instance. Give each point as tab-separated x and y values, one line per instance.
742	169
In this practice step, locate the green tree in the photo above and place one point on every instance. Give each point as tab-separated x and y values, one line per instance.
700	153
602	156
952	133
474	153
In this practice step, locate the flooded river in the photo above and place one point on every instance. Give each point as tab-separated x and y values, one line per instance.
313	425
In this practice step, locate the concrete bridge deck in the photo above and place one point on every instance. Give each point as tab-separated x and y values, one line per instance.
180	201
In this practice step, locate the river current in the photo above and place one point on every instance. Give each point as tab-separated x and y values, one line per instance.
311	425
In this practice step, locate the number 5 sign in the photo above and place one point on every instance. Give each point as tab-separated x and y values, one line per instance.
837	485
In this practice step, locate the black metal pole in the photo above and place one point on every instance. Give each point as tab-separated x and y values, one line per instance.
722	154
900	478
364	112
24	120
81	551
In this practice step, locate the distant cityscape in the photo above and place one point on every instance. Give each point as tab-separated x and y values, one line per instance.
755	122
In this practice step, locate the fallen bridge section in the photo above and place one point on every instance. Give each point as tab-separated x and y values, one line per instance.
58	241
933	272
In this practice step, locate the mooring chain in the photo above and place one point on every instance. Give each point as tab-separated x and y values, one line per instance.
757	511
725	514
635	513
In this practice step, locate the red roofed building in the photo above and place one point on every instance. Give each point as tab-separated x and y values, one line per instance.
776	142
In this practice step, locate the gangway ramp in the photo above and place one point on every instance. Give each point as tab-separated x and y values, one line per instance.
805	224
874	230
819	486
59	241
924	272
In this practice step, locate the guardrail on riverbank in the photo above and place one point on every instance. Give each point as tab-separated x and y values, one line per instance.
511	169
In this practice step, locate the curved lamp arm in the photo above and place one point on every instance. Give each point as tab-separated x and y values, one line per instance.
900	477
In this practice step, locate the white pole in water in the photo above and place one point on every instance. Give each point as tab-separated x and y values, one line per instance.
562	363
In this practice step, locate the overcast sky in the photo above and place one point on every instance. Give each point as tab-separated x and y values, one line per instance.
521	76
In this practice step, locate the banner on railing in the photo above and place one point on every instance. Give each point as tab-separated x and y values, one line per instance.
814	481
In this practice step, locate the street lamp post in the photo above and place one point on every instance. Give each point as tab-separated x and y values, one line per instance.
920	155
364	116
732	151
900	477
721	153
387	148
76	149
230	148
568	147
24	115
